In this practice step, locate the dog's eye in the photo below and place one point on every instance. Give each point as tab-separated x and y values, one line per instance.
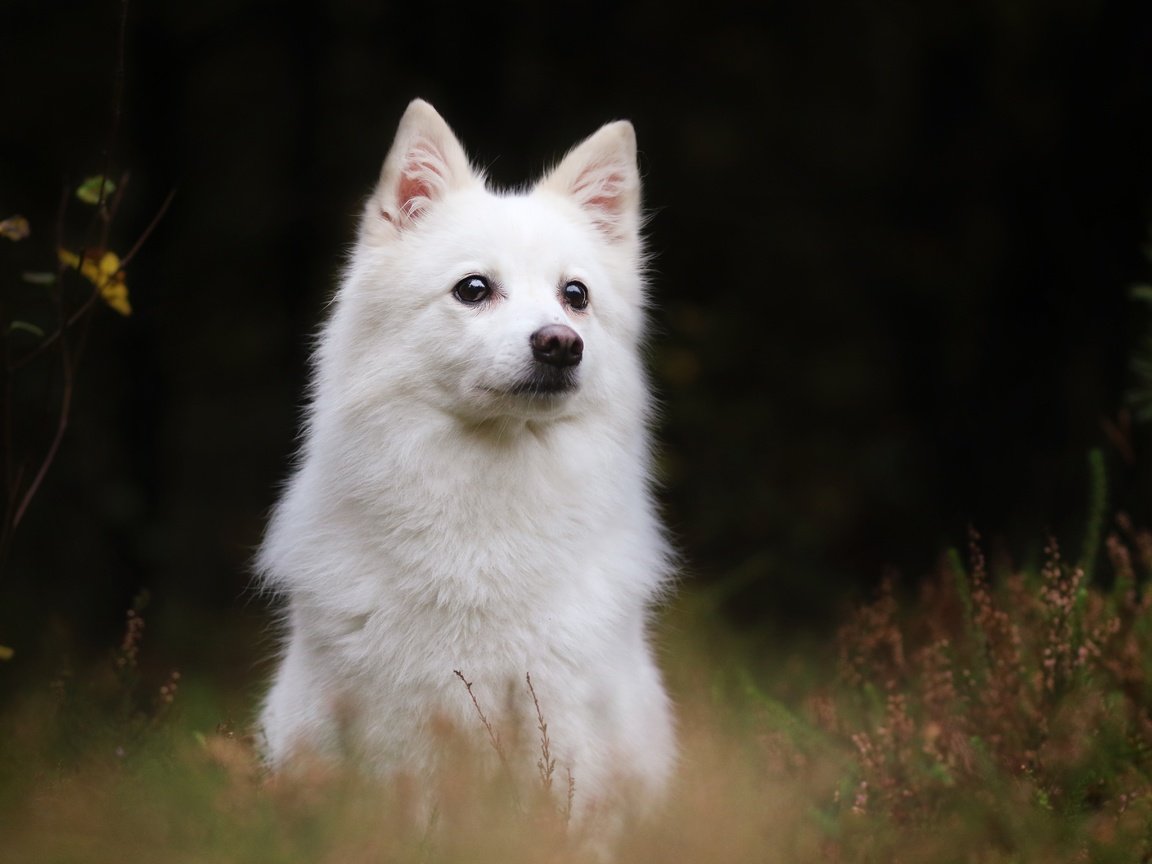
575	295
472	290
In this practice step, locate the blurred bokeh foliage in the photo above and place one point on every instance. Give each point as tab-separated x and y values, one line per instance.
892	250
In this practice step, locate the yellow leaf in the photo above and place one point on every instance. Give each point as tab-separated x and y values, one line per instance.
110	264
105	274
14	228
6	653
115	294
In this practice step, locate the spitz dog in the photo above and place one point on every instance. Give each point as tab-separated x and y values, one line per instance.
472	491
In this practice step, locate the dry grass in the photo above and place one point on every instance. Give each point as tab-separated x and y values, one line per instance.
1004	715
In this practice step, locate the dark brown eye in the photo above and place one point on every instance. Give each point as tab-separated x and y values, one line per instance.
576	295
472	290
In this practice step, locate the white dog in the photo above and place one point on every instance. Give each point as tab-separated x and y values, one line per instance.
472	492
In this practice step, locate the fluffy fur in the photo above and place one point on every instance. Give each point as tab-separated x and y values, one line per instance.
446	513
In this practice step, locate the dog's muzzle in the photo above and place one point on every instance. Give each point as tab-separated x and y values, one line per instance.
557	350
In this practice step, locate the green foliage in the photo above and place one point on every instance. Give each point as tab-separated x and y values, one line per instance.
996	719
25	327
34	278
96	189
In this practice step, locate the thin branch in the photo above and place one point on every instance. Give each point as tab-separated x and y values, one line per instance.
546	763
17	502
494	739
106	210
50	340
492	736
68	370
131	253
57	438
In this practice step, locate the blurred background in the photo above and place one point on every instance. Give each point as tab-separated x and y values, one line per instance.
893	248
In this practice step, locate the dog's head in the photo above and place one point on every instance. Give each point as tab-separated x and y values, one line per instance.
489	304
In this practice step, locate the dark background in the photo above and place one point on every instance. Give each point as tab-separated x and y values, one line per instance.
893	244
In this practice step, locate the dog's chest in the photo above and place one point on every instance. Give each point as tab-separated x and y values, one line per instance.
494	562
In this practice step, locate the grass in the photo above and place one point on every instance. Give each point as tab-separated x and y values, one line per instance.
1001	715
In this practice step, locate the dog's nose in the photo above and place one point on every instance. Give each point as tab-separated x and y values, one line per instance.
557	345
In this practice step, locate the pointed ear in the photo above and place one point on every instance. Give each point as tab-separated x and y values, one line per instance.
600	175
425	162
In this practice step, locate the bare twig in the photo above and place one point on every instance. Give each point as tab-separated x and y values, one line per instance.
147	232
493	737
546	763
106	209
494	740
68	372
48	341
17	501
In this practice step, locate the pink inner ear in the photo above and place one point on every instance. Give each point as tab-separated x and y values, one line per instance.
412	194
600	190
422	179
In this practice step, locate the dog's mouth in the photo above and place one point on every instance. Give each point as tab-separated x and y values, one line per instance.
543	382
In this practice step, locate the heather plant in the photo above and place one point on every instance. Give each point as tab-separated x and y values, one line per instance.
110	706
1015	698
999	715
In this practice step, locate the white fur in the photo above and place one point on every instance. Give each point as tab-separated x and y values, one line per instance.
435	523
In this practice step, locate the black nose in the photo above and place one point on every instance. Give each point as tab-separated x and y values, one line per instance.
557	345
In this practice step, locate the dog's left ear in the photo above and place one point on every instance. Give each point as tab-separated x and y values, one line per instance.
426	162
601	176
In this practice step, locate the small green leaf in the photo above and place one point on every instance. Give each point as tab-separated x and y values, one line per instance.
91	189
25	327
1141	292
39	278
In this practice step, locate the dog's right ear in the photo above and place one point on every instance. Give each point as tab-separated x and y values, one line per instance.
425	162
